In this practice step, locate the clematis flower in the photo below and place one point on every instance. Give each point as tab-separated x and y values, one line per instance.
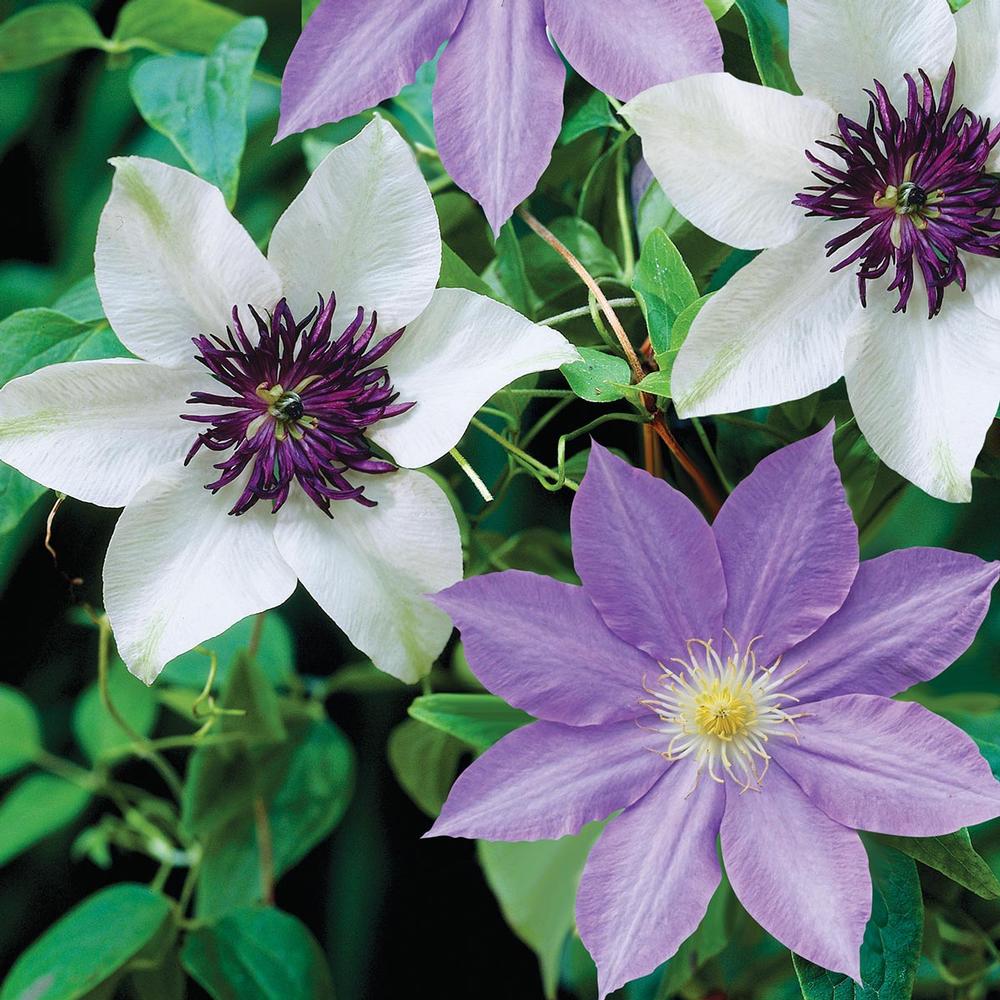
498	97
730	681
265	434
875	198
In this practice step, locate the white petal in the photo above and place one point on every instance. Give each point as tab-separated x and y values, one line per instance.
775	332
984	281
977	62
458	353
96	430
370	568
838	48
171	262
364	227
731	155
181	570
924	391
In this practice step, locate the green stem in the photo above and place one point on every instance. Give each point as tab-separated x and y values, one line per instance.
624	219
544	420
439	184
531	463
712	457
565	317
140	745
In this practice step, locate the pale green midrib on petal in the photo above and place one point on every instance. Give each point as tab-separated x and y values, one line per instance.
725	362
135	188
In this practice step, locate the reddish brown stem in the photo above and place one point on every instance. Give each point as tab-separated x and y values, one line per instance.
705	488
657	422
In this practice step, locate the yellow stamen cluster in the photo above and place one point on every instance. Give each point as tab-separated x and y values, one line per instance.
285	408
910	201
722	712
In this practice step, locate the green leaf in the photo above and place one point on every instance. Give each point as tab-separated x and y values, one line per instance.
664	287
46	32
34	338
550	277
275	655
455	273
718	8
81	302
707	941
513	273
260	953
89	945
309	791
97	731
890	950
678	334
535	884
425	762
858	465
954	856
39	805
594	113
200	103
767	28
20	732
599	377
224	780
186	25
166	981
656	384
308	6
478	720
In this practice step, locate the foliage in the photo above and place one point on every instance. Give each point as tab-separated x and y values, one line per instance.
240	825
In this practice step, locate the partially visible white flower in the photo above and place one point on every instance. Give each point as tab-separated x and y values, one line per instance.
279	411
903	202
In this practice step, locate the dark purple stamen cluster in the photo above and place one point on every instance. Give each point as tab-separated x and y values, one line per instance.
303	402
917	186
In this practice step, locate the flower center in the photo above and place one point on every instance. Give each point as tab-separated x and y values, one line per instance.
302	401
917	188
721	712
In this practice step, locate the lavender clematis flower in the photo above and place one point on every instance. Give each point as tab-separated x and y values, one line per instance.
876	198
730	681
498	97
264	386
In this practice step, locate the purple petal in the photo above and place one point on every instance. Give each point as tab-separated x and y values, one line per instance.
546	780
498	104
789	546
632	45
542	646
909	615
803	877
647	558
352	54
889	767
649	878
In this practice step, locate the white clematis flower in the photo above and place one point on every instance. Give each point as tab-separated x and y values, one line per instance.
335	340
871	195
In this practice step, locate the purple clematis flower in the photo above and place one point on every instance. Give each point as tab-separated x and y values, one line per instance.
498	98
729	680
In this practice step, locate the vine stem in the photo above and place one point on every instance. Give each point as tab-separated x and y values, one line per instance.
140	744
595	289
657	420
705	488
265	846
